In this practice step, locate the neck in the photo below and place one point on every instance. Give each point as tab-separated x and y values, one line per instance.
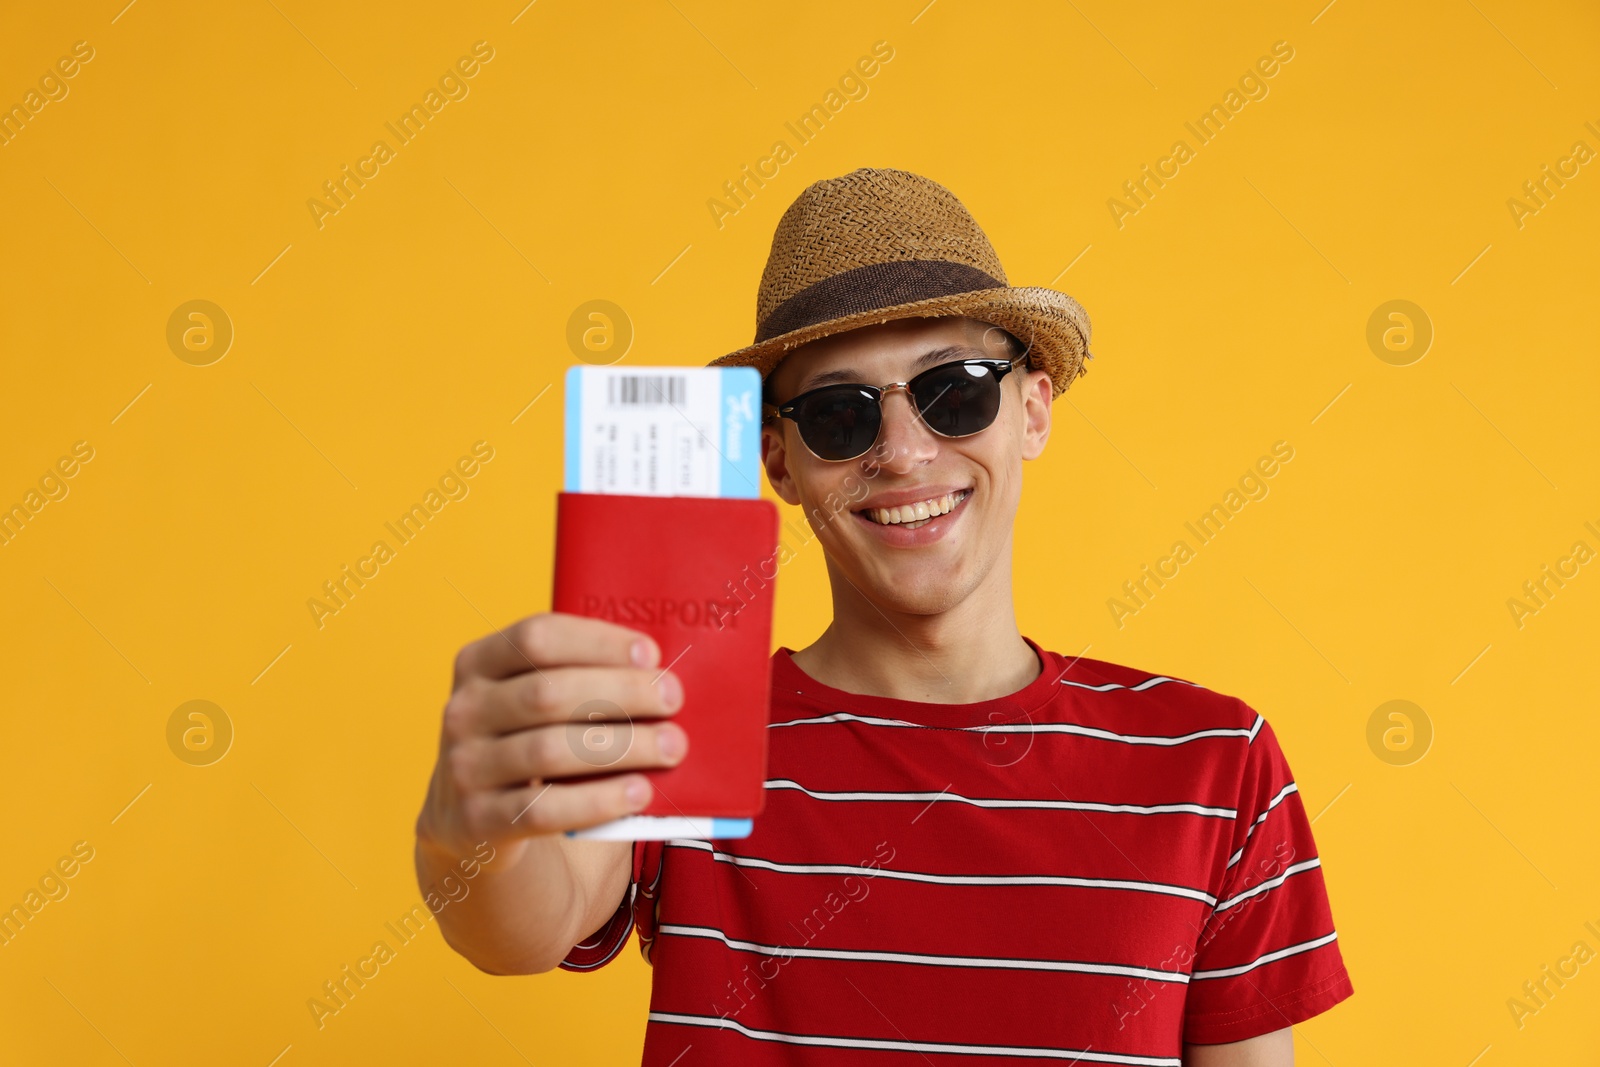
969	653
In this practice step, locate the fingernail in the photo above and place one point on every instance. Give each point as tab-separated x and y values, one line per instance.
671	691
670	743
643	654
637	794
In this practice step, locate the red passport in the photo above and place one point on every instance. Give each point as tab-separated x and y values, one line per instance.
696	574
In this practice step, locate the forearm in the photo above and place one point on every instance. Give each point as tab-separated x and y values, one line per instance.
1269	1050
510	784
526	908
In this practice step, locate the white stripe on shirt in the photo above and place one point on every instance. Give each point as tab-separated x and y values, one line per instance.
1009	802
926	959
1139	687
1162	888
1282	793
1270	883
1292	950
1027	728
882	1044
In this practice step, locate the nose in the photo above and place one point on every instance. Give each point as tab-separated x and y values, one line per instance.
904	441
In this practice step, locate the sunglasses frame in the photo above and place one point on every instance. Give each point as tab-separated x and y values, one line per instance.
997	366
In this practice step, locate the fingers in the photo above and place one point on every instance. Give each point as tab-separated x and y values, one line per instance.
553	807
564	751
560	694
554	697
554	640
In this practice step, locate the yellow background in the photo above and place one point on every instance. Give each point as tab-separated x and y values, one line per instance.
427	314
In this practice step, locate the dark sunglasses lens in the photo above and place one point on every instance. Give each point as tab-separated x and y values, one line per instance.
839	423
958	400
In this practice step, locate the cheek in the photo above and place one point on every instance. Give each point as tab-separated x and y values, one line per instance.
825	496
1000	510
1000	462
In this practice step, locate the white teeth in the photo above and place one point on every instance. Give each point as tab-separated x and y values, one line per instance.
915	514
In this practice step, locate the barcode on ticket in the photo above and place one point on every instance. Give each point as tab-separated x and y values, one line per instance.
647	389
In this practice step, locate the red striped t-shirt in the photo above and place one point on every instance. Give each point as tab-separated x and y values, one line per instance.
1095	869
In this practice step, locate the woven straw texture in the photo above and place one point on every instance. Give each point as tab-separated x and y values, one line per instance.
880	244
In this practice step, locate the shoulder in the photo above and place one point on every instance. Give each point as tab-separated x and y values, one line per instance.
1149	698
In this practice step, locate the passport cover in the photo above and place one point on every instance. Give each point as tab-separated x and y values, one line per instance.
697	575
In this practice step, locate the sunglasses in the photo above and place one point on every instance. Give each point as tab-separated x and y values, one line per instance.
841	422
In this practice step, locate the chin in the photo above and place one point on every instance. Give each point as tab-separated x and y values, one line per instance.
923	588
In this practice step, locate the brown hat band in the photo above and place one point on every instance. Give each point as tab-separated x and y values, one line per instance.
876	285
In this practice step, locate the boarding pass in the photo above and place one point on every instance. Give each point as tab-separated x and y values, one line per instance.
663	431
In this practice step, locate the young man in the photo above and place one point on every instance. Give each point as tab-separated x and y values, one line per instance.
973	849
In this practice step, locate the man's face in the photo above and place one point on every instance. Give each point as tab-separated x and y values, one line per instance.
918	567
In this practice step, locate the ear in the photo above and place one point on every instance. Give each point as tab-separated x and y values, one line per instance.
1036	393
775	458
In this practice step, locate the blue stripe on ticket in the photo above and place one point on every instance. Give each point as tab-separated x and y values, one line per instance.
573	418
741	432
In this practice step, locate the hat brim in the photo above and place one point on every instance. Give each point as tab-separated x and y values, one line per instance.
1052	325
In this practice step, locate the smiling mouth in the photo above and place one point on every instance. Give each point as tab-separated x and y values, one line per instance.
914	515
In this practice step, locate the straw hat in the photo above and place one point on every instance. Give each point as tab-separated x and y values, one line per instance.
881	244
